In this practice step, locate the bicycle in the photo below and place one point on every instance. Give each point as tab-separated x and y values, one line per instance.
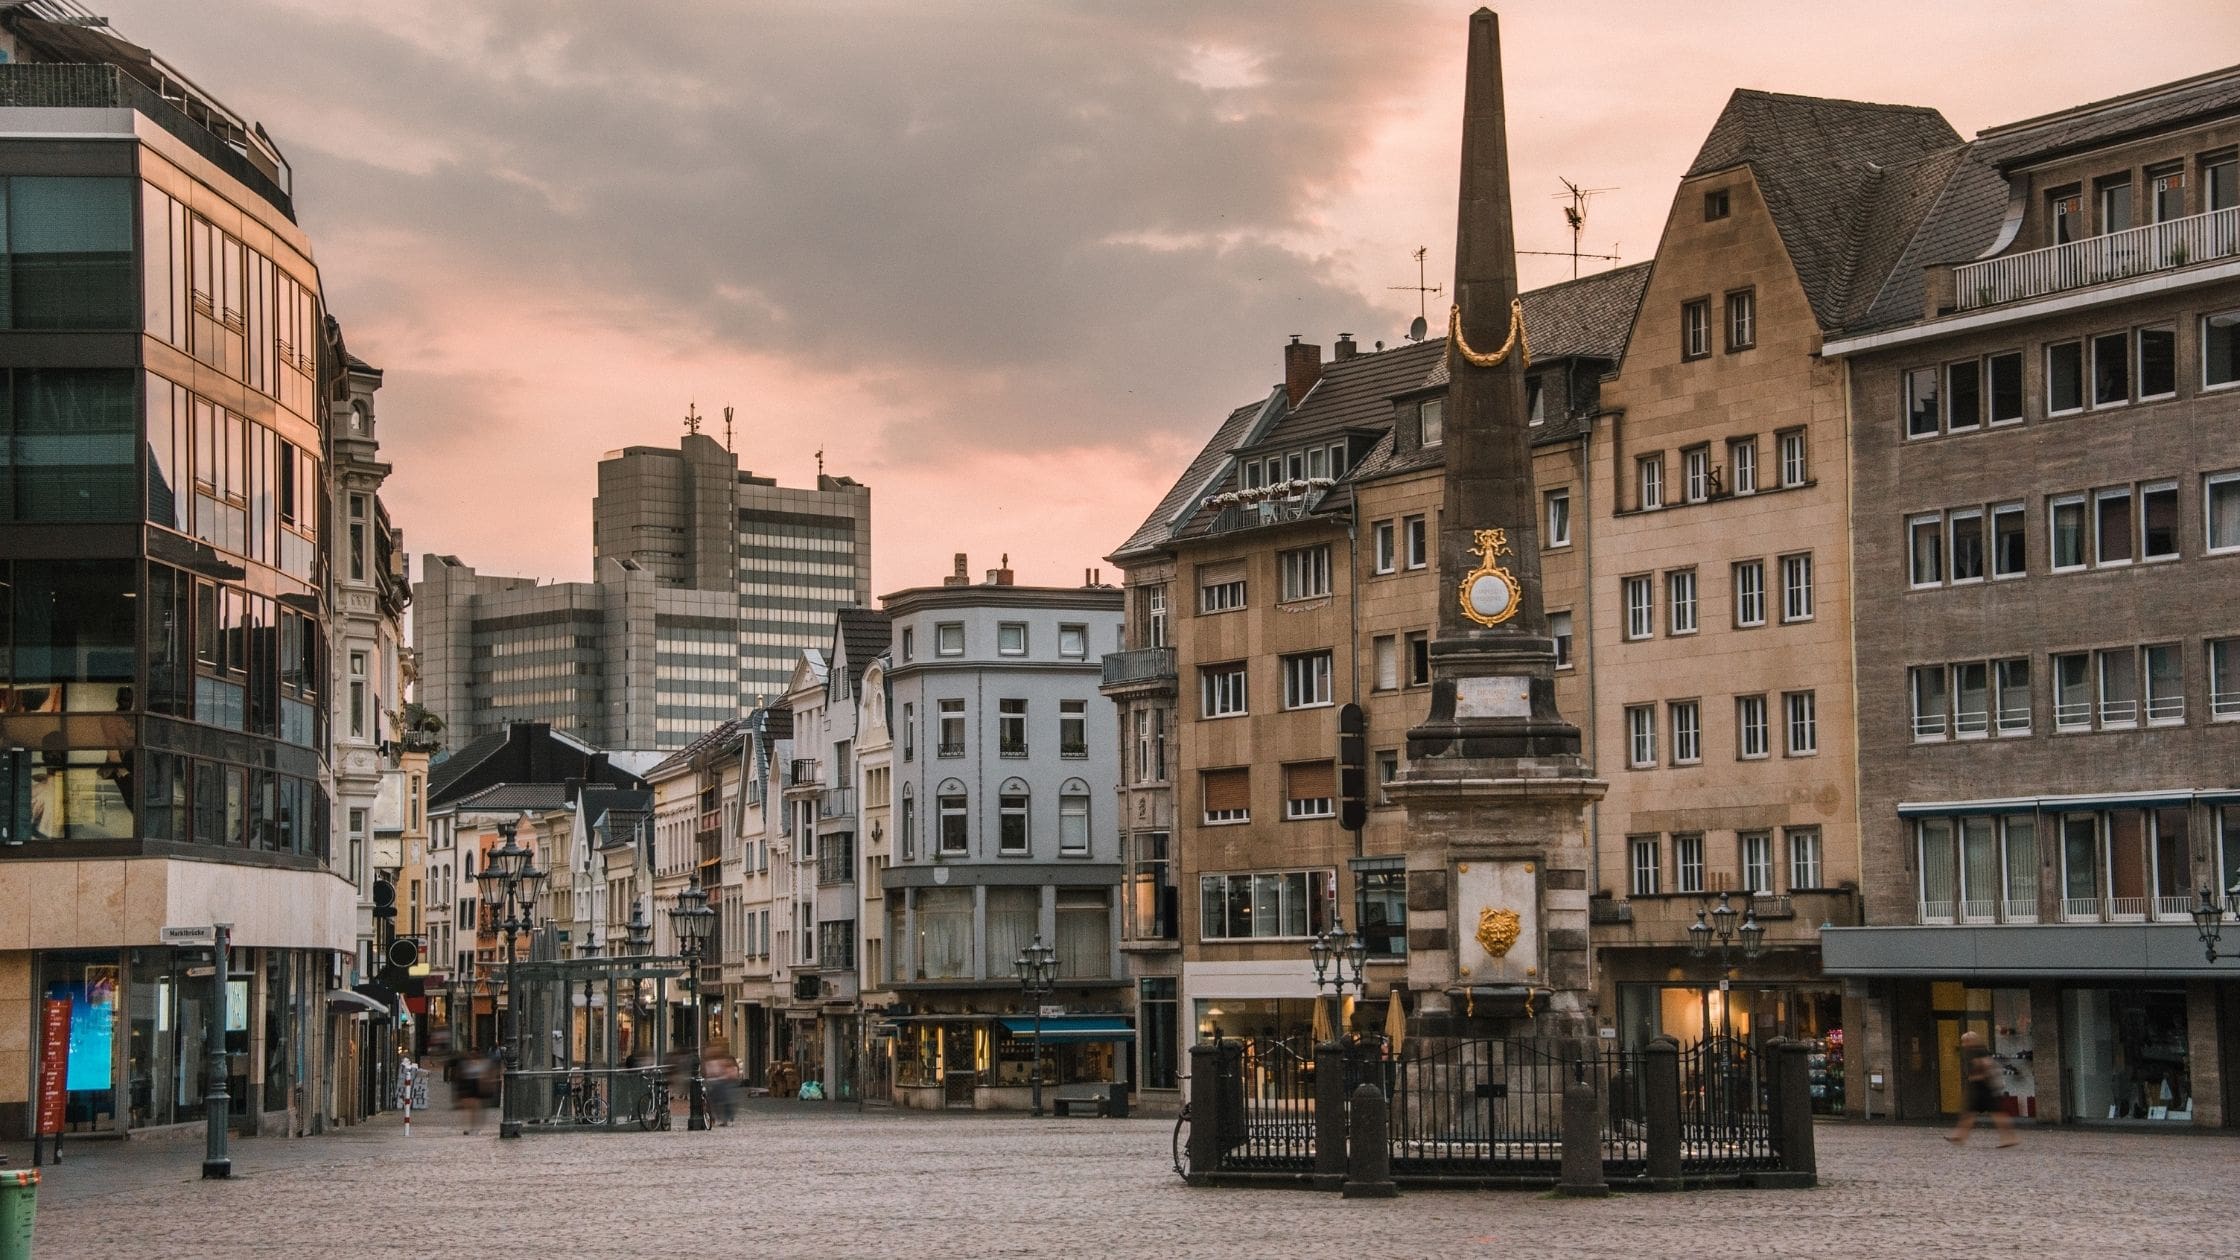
1182	1142
580	1102
653	1108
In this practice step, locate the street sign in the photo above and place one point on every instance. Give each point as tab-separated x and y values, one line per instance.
1053	1012
204	935
203	972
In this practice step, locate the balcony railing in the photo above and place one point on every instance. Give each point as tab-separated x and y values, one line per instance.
1139	665
802	772
2137	251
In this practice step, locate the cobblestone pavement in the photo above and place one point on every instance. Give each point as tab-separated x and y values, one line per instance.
805	1180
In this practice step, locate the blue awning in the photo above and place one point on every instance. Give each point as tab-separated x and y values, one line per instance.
1067	1030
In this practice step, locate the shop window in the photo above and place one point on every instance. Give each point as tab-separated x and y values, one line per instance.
2127	1054
1284	904
1381	906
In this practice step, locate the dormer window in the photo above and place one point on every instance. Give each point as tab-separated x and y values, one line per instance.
1535	401
2064	211
1431	419
1715	205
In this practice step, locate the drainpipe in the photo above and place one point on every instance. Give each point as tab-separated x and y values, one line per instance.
1592	665
1353	637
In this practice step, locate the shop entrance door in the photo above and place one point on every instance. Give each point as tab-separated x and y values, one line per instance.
1959	1009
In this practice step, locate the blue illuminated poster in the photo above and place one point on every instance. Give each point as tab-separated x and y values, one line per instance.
92	1028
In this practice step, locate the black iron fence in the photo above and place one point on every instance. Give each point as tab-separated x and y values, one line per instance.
1727	1108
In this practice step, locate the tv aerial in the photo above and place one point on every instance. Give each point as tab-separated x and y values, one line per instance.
1575	214
1422	327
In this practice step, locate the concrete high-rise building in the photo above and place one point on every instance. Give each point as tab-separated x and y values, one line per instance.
708	582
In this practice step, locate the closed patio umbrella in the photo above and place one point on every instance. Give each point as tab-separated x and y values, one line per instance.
1395	1022
1321	1021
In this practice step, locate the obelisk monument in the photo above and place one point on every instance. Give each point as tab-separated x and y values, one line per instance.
1496	791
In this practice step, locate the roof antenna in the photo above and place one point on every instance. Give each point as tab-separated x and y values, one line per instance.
820	461
1574	214
1422	326
691	418
727	428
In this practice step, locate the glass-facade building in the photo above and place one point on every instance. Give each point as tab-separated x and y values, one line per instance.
163	607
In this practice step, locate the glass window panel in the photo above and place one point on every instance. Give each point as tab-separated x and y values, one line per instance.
2006	387
1936	857
2158	362
2009	544
73	453
2065	376
2021	832
1967	546
2220	349
2111	369
70	252
1963	398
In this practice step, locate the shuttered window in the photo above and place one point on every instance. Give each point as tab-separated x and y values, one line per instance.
1310	790
1228	795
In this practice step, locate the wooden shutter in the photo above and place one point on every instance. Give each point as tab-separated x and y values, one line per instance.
1310	780
1228	789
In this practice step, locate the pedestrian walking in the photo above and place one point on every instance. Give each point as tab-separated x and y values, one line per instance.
467	1071
722	1072
1980	1093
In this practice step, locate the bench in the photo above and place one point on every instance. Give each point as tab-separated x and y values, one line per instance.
1096	1098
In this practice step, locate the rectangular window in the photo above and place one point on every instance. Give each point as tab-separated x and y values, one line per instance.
2158	521
1641	736
1751	742
948	639
1384	653
1646	866
1695	329
1221	587
2064	377
1641	611
2114	198
1804	858
358	694
1385	546
1715	205
1155	618
2158	363
1929	701
2224	679
1695	474
1971	699
2005	371
955	825
1750	593
1431	417
2220	350
2112	539
1306	680
1011	638
2072	691
1388	769
2119	687
1417	644
1742	465
1419	542
1796	587
1073	728
1687	862
2013	677
1757	861
1221	690
1293	904
2066	537
2111	370
910	732
1742	320
1073	642
1306	572
1687	732
1228	795
1963	395
1801	711
1011	824
1535	401
1925	550
1559	517
2009	544
2065	213
952	728
1793	468
2166	194
2220	511
1649	470
2166	684
1680	600
909	643
1921	403
1559	629
1011	727
1310	790
1965	532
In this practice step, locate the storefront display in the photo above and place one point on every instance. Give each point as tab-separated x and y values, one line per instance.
2127	1054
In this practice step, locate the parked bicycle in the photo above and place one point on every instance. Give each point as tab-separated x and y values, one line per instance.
580	1101
653	1106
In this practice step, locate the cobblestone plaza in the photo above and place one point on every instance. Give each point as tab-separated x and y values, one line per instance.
792	1181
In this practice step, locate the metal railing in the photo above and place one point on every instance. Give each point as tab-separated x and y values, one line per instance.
1935	910
802	772
1979	910
2018	911
2115	256
2179	908
1139	665
2128	909
1726	1114
2080	909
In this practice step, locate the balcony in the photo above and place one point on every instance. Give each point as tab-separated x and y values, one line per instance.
1140	667
838	802
1791	918
2138	251
2166	908
803	772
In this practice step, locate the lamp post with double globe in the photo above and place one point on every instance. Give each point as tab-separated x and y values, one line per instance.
510	884
692	920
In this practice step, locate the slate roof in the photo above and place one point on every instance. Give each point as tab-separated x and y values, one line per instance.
514	798
1198	476
1819	163
465	757
713	737
1590	317
863	633
2096	123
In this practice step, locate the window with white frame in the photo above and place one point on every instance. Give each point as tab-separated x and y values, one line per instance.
1695	474
1687	732
1646	866
2220	350
1804	858
1011	638
2010	556
1011	727
1641	610
2072	691
2112	531
1418	539
1925	550
1963	395
1306	572
1742	320
1073	642
1073	728
2162	666
1796	587
948	638
1791	448
955	822
1641	736
1416	646
1749	593
1971	699
1695	328
1264	904
2158	521
2118	672
1073	820
1385	546
1964	534
1221	588
1751	742
1559	629
1559	517
2223	656
1155	619
1756	849
1227	795
2065	531
1012	823
1306	680
952	728
1687	862
2220	511
1680	601
1384	657
1310	790
1222	690
1742	465
1649	479
1801	710
2012	678
1431	417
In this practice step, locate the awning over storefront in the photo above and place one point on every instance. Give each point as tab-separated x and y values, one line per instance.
354	1002
1070	1030
2068	951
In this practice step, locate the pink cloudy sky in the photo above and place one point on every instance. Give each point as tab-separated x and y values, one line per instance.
1008	263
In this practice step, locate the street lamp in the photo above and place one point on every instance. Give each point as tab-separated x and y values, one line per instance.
692	920
1338	956
1721	930
589	948
510	883
2208	916
1036	965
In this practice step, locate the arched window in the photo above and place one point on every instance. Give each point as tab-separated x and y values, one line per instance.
1073	819
956	828
1014	837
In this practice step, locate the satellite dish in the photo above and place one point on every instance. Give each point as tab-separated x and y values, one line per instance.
1417	329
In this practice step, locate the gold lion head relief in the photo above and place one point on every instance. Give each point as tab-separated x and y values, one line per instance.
1498	930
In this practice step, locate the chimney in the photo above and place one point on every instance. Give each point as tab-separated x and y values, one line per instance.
1345	348
1002	576
1302	367
962	576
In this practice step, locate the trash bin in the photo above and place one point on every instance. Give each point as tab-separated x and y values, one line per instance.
1117	1108
19	1199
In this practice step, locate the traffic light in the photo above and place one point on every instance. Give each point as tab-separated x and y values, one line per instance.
1353	767
384	899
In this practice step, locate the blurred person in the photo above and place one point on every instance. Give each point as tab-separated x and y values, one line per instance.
1980	1093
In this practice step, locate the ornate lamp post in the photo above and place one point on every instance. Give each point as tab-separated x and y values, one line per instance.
1722	930
588	948
1037	966
1338	956
692	920
510	883
2208	917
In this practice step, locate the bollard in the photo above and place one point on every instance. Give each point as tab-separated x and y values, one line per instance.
1661	1100
1369	1156
1792	1101
1213	1116
1329	1116
1582	1141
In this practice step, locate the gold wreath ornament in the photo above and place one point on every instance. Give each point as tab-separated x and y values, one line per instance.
1498	930
1517	341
